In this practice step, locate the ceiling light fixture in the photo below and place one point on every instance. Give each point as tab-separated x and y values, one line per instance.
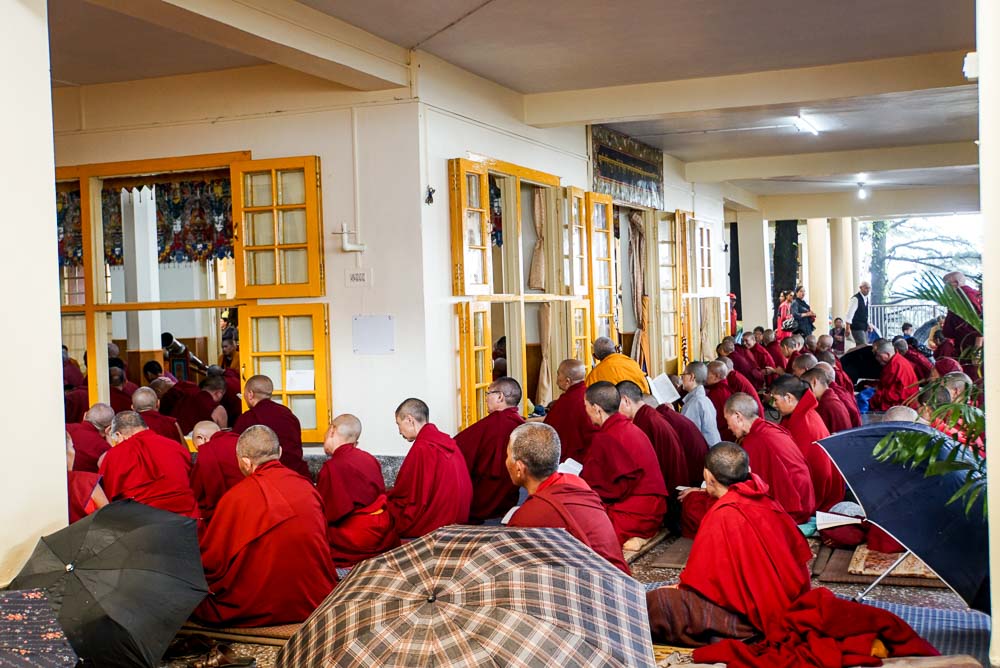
804	125
863	177
862	191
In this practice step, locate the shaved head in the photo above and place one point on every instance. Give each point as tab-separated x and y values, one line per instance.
573	370
826	356
536	445
259	385
743	404
828	371
127	423
901	346
414	408
954	278
630	391
728	463
144	399
510	388
803	363
728	345
348	426
161	386
824	342
603	346
259	444
604	395
769	336
884	346
100	415
900	414
728	362
719	369
213	383
116	376
204	430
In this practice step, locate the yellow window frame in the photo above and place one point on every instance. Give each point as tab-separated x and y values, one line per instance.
599	200
462	173
580	333
476	376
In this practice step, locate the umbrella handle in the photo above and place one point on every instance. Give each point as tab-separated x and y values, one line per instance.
860	597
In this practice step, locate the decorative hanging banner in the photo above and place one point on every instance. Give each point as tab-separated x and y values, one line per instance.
628	170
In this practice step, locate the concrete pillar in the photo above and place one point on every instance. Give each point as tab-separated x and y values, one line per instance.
755	269
142	268
31	402
842	265
818	294
856	254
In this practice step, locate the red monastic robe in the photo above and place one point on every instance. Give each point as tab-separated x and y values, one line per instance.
693	443
776	458
80	486
962	333
231	399
72	376
75	404
849	402
896	386
433	488
745	363
358	522
89	444
285	425
566	501
265	553
738	383
761	356
946	348
193	409
164	425
484	446
790	359
774	349
666	445
622	468
172	397
216	470
569	418
806	427
841	378
152	470
833	412
718	393
921	365
120	400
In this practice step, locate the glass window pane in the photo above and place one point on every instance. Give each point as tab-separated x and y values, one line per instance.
299	332
566	275
600	246
576	210
473	228
602	277
581	274
578	322
600	220
472	185
270	367
603	327
257	189
260	228
666	255
667	300
295	266
304	407
475	264
478	329
480	402
266	335
602	302
292	226
300	363
292	187
480	366
260	267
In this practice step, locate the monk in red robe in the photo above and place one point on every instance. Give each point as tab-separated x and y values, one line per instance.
216	469
75	403
964	335
484	446
433	488
171	393
72	376
738	382
144	466
743	361
897	385
622	467
202	405
90	437
773	347
664	439
358	522
558	500
257	394
718	392
747	564
761	357
567	414
829	407
120	400
921	365
692	442
231	400
265	553
802	363
846	396
797	405
145	403
84	488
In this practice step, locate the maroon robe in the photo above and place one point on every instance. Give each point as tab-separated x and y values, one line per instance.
172	397
484	446
850	403
738	383
667	446
569	418
194	408
358	522
89	444
164	425
718	394
622	468
962	333
774	349
841	378
776	458
231	399
896	386
120	400
216	470
806	427
152	470
285	425
761	356
265	553
75	403
921	365
833	412
946	349
433	488
565	501
692	441
72	376
745	363
80	486
790	359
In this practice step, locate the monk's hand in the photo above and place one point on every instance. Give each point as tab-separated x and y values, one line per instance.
689	490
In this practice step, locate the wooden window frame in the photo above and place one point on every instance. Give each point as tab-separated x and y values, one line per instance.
593	199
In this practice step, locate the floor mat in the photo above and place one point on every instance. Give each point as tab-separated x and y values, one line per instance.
644	547
870	562
676	554
260	635
836	570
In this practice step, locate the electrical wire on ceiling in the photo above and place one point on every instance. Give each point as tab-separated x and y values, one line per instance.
450	25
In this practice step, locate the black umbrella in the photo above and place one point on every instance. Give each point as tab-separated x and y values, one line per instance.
914	509
860	363
30	634
122	581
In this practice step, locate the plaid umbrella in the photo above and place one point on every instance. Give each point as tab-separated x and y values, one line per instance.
479	596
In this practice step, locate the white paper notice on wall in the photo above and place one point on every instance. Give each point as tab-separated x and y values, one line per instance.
373	334
300	380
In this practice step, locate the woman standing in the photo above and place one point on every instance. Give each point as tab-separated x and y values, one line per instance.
802	312
784	313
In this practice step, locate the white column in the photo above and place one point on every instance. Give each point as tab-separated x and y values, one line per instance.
818	295
31	402
142	266
856	276
842	265
755	270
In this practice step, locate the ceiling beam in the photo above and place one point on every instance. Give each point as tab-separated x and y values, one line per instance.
792	86
926	156
284	32
884	203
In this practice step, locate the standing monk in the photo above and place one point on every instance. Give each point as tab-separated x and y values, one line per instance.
433	487
897	385
83	487
614	367
829	406
622	468
484	446
558	500
567	414
90	437
273	517
278	417
145	403
216	469
692	442
202	405
358	523
962	333
666	443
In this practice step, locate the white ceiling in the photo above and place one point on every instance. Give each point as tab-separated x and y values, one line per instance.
889	180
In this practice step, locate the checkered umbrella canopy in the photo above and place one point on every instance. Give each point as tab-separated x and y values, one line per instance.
479	596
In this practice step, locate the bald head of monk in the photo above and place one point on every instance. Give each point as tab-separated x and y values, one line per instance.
826	356
161	386
570	372
125	425
344	430
257	389
631	398
901	414
100	415
695	375
809	342
717	371
828	371
824	342
116	377
884	351
503	393
740	412
900	345
727	346
749	340
257	446
203	432
788	346
601	401
728	362
955	279
725	465
533	454
603	346
411	416
803	363
769	337
144	399
958	385
215	386
816	379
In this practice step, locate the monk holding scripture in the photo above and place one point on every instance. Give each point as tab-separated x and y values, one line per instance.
433	488
216	469
145	403
559	500
567	414
358	522
272	518
90	437
614	367
484	446
897	385
84	488
281	420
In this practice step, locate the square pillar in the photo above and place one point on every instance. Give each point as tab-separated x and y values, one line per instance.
818	281
755	269
842	265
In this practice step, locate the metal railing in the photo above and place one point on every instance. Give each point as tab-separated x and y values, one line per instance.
888	319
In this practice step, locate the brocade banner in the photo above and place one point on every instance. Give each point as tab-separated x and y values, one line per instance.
628	170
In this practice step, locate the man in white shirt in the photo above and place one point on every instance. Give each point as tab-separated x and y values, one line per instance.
857	314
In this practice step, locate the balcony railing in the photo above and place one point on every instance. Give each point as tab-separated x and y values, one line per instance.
888	319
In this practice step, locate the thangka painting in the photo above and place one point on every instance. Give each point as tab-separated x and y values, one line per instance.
628	170
68	228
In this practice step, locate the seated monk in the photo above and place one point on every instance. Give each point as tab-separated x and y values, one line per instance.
747	564
90	437
145	403
72	376
797	405
738	383
666	443
758	353
559	500
840	376
171	392
921	365
216	469
358	523
75	403
144	466
829	407
257	394
484	446
202	405
789	350
743	361
897	385
622	468
692	442
846	396
613	367
567	414
718	392
773	347
152	370
265	553
801	364
433	488
120	400
84	488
